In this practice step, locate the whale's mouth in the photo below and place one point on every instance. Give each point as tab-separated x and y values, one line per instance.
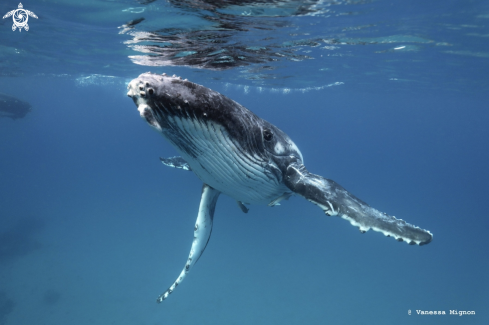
147	114
139	91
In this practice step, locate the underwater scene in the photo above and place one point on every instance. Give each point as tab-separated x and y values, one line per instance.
336	150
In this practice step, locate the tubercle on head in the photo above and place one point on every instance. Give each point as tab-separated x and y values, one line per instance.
142	88
139	89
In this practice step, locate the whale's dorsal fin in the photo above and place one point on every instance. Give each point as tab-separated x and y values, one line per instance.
242	207
334	200
202	234
180	163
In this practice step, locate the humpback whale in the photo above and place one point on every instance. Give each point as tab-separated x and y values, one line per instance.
236	153
12	107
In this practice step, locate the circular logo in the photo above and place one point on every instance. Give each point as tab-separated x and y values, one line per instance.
20	17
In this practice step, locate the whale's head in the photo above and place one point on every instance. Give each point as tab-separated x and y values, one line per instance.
186	113
158	95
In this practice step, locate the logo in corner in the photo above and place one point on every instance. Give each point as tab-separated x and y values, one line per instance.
20	17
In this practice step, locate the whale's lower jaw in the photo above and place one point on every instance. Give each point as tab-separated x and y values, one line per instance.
217	159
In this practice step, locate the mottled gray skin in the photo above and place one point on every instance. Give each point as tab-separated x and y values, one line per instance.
172	96
237	153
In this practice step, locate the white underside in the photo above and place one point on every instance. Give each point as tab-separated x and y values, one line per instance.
224	165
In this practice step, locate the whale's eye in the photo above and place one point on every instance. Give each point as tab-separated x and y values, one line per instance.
150	91
267	135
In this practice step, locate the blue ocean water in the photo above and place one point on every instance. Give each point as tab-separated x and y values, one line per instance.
388	99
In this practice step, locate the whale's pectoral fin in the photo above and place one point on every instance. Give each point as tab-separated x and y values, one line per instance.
335	200
202	233
176	162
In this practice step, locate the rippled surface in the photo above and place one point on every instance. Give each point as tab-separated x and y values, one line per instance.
288	44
